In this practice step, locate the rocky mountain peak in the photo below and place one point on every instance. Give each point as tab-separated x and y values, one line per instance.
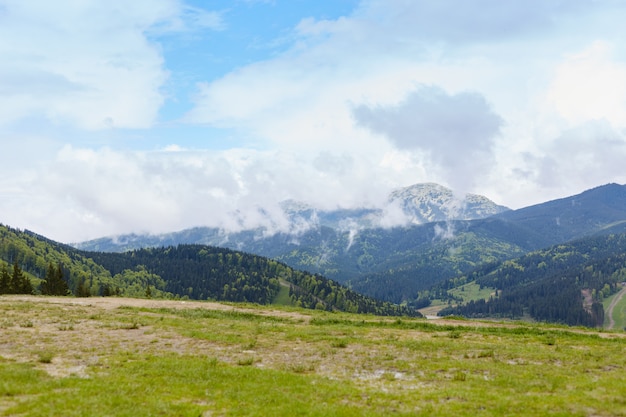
430	202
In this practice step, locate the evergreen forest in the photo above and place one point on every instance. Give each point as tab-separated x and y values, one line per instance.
197	272
565	283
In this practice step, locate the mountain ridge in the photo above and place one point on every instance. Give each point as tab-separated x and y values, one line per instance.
397	264
413	264
412	205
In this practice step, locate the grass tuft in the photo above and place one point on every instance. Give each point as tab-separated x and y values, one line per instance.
459	376
249	361
45	357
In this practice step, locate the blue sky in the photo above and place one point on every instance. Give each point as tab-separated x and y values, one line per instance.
157	115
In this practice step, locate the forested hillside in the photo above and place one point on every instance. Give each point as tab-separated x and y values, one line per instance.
565	283
34	254
34	264
207	272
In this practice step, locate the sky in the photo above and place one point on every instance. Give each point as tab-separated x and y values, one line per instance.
151	116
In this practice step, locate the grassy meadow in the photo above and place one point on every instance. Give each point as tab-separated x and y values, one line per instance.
617	312
472	291
126	357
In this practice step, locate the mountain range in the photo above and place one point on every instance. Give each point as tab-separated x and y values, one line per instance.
409	206
352	245
555	261
441	238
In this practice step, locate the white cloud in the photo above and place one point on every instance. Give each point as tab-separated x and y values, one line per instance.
87	64
590	85
529	101
85	193
530	61
456	131
585	153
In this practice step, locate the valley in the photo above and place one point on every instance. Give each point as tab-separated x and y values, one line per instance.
446	244
560	261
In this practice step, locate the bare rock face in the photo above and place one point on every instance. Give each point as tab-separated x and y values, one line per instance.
429	202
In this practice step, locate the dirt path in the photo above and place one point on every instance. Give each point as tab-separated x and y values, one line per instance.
110	303
609	310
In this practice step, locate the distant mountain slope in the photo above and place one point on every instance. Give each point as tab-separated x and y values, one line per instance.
573	217
599	211
202	272
550	284
34	253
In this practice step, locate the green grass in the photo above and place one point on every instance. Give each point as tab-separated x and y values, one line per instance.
255	361
619	312
471	292
282	298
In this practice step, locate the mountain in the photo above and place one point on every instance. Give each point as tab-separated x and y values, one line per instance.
598	210
188	271
348	245
402	264
466	245
413	205
549	284
427	203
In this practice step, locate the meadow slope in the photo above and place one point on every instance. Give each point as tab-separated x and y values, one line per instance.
132	357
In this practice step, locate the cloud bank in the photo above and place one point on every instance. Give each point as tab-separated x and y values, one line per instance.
113	118
456	131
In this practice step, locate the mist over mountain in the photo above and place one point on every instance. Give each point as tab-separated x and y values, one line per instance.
457	248
414	205
427	203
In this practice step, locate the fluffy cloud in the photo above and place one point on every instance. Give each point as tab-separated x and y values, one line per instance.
590	85
88	64
521	101
457	131
85	193
547	71
586	152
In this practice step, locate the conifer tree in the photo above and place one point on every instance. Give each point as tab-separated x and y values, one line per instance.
20	284
46	285
82	290
54	284
5	280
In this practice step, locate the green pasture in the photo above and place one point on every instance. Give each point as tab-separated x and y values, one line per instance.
70	359
471	292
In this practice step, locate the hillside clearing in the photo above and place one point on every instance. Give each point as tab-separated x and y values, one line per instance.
96	356
615	311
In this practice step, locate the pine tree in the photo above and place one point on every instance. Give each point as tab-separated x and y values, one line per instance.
46	284
20	284
54	284
82	290
5	280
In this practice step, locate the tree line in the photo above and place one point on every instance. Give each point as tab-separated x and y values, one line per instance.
549	285
17	282
184	271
